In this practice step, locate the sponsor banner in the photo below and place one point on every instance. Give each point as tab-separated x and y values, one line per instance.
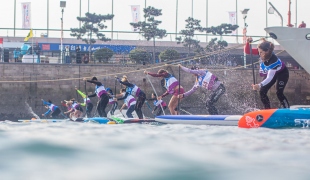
135	12
26	15
232	20
85	47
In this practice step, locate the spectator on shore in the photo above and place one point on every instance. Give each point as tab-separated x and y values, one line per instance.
85	59
78	55
16	54
37	50
302	25
67	55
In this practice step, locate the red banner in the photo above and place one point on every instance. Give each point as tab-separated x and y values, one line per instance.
1	40
46	47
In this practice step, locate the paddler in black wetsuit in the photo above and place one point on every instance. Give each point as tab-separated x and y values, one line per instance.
101	93
272	69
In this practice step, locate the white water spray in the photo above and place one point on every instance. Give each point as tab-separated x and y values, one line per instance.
31	111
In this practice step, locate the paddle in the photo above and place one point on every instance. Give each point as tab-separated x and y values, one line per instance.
121	112
155	93
64	115
179	90
251	56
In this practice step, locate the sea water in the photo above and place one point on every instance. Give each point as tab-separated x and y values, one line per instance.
88	151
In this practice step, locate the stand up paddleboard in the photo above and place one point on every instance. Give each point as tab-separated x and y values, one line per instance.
98	120
296	116
221	120
42	120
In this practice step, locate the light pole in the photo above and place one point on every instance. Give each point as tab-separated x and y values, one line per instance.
272	9
62	6
244	14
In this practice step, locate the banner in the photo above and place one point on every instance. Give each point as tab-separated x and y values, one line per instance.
118	49
26	15
30	35
135	12
1	40
232	20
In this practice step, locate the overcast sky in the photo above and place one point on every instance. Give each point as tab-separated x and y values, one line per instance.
217	14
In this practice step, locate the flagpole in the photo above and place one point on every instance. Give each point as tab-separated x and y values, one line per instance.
2	53
32	47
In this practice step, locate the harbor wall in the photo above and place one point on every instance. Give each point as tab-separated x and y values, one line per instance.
22	86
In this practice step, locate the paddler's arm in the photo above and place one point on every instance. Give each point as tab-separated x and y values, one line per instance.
81	93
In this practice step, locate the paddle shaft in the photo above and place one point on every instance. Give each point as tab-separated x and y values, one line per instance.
179	90
155	93
251	56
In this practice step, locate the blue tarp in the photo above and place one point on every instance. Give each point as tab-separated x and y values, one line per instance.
24	49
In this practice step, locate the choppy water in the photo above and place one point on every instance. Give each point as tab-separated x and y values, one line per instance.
84	151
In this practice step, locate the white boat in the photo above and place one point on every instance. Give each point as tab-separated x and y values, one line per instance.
296	42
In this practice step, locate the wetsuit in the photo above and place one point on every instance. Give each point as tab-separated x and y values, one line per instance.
134	90
273	71
101	93
87	102
210	82
51	108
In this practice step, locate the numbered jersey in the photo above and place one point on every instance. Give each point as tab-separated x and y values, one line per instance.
130	100
207	81
75	106
159	102
52	107
170	83
87	100
278	66
135	90
100	90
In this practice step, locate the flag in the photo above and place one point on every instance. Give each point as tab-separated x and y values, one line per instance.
232	20
26	15
135	12
1	40
30	35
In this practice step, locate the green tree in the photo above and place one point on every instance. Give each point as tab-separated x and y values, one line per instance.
169	54
103	54
221	29
92	24
149	28
215	45
139	55
187	38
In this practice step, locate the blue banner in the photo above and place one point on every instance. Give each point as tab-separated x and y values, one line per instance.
119	49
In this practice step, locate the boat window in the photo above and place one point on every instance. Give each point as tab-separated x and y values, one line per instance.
273	35
308	36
